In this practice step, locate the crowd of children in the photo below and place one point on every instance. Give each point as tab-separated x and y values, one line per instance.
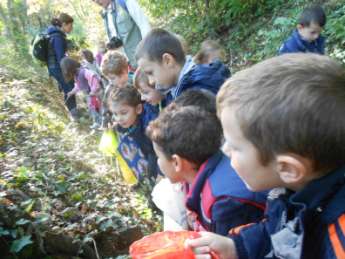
257	159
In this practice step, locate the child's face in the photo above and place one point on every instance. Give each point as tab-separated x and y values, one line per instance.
164	74
149	95
311	32
245	157
118	80
67	27
126	115
166	165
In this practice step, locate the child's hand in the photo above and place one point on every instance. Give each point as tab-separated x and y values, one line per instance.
222	246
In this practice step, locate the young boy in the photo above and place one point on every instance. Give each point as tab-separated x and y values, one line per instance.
187	143
162	58
307	38
115	68
132	118
290	136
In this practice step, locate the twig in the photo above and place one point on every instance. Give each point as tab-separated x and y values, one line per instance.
95	245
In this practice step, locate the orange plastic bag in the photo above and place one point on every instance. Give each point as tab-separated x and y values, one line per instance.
164	245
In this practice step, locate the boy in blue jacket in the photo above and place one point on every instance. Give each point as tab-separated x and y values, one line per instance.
187	143
290	137
161	56
307	38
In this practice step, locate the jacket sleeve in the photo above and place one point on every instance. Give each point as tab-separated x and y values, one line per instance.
228	213
289	46
59	47
252	242
336	235
138	16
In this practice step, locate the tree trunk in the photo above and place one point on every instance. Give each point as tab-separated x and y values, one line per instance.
4	18
207	4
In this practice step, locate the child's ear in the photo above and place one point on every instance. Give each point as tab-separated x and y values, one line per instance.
181	164
177	162
299	27
139	109
293	169
168	59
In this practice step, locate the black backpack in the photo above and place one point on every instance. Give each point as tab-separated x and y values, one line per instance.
40	46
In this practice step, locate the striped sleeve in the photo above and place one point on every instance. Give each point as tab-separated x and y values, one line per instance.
336	233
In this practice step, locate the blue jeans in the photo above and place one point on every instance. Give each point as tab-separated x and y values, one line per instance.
63	86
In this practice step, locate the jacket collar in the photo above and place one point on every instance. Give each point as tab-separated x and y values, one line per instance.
188	66
325	195
193	196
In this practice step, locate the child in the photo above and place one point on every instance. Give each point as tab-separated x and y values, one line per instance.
147	91
209	52
88	61
307	38
168	197
86	81
303	158
132	118
115	68
187	143
162	58
115	43
201	98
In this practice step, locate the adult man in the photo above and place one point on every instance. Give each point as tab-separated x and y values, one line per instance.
125	19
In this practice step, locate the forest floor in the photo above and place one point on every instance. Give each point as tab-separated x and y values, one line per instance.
59	196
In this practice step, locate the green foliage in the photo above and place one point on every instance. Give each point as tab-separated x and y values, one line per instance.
335	31
249	30
19	244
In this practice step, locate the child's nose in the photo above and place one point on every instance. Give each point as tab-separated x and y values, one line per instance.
152	81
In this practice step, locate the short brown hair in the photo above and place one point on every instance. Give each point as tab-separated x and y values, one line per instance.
69	68
208	47
188	131
65	18
114	62
158	42
139	78
88	55
126	95
293	103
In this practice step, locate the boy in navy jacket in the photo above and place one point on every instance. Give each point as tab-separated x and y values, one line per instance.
307	38
161	57
290	137
187	143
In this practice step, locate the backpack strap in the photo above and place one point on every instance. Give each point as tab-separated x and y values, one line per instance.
123	5
336	232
